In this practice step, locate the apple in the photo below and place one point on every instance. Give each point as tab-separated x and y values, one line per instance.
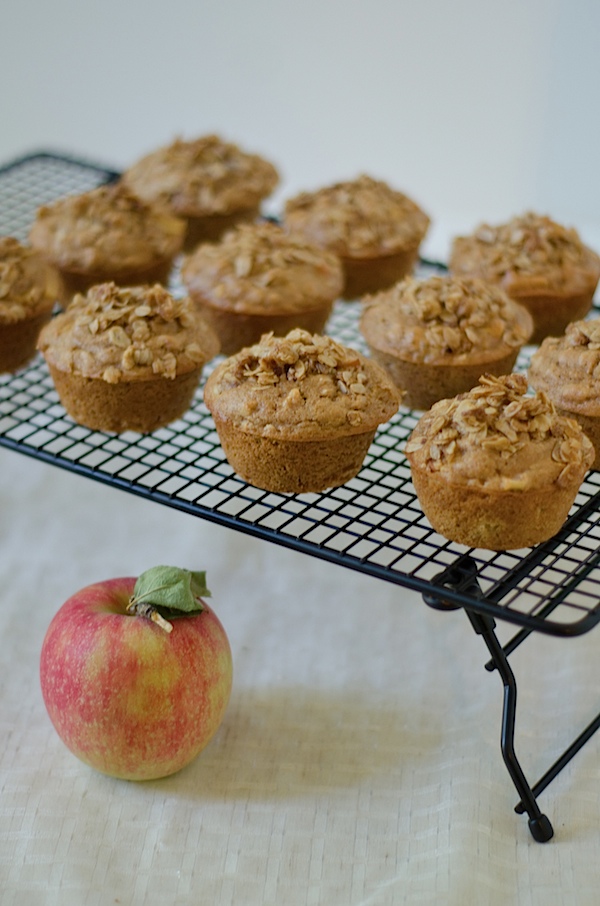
136	674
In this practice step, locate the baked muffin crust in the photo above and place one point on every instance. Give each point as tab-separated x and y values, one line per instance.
359	218
301	387
260	269
495	437
107	231
28	285
538	262
128	334
567	368
445	318
203	176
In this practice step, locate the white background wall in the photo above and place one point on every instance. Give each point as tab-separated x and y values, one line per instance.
477	110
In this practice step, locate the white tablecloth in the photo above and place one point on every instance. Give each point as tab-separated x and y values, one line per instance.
358	763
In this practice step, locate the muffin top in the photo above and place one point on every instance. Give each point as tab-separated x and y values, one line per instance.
107	231
530	251
128	334
361	218
496	437
567	368
445	319
28	285
260	269
204	176
301	387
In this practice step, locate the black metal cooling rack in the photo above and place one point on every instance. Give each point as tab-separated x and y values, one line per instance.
372	524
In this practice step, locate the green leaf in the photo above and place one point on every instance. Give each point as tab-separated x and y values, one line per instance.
171	590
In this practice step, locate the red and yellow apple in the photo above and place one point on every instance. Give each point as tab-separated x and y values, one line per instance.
135	698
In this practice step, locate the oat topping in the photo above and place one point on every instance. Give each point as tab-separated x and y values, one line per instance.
107	226
496	421
358	217
28	286
527	245
302	384
259	267
444	316
294	358
122	334
203	176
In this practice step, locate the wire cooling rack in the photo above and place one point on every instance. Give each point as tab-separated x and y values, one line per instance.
372	524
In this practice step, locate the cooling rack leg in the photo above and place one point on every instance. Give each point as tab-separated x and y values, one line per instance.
539	824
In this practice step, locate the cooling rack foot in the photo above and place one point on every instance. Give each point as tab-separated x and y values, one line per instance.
541	829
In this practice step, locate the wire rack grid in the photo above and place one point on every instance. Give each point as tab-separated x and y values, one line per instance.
372	524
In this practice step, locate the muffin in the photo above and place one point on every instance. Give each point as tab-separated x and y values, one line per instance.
259	279
211	183
127	358
436	337
375	230
544	266
496	469
567	369
107	235
29	287
298	413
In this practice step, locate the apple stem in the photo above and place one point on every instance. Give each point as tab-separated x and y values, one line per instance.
142	609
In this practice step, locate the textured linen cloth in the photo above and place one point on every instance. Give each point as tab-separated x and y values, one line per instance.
358	763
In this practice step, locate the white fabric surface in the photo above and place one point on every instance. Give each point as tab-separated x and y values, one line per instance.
358	763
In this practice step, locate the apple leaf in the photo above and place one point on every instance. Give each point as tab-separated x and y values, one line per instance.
172	591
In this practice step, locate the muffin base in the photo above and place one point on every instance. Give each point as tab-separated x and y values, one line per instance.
210	227
74	282
369	275
141	406
552	313
425	384
493	520
18	341
236	330
293	467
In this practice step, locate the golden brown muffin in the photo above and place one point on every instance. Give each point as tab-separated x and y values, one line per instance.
496	469
259	279
298	413
29	288
107	235
436	337
211	183
544	266
567	369
127	358
374	229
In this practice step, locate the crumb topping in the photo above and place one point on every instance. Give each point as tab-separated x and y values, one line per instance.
203	176
260	268
121	334
28	286
495	435
107	227
358	217
444	317
302	383
567	368
529	245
